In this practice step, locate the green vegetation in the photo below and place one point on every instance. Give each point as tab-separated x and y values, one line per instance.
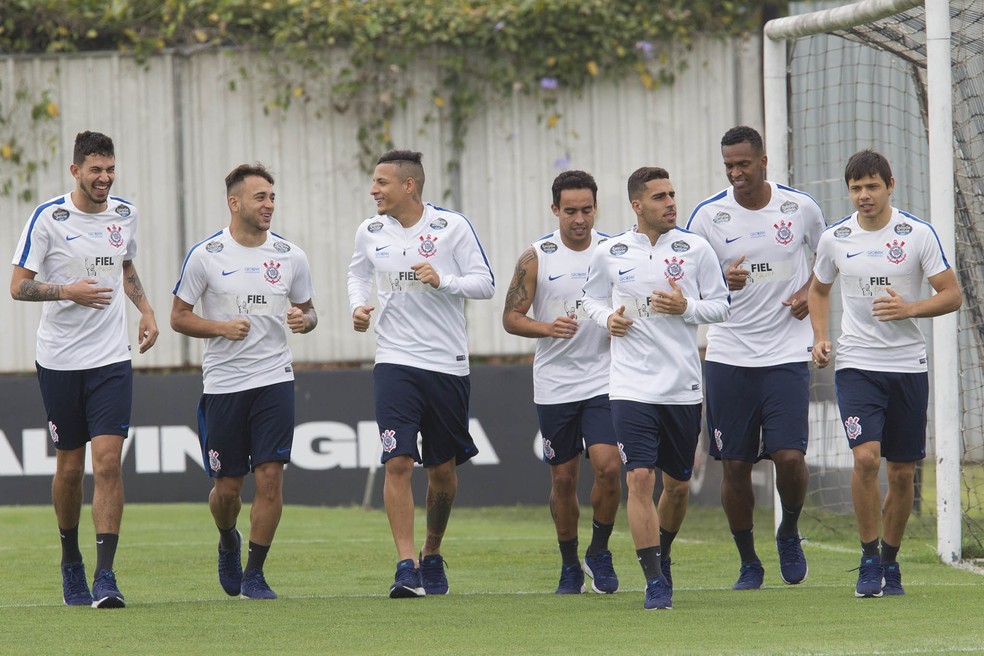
332	568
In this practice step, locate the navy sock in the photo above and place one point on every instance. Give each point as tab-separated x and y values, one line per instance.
789	525
745	541
568	551
889	554
869	548
257	556
599	537
106	550
666	541
649	559
228	538
70	545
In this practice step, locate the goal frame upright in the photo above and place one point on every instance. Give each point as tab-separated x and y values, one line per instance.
945	361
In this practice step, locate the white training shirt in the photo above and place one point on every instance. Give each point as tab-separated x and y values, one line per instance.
258	283
657	361
417	325
63	245
899	256
575	369
776	242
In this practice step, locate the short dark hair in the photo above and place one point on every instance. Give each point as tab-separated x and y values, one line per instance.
573	180
867	162
741	134
92	143
639	178
243	171
408	161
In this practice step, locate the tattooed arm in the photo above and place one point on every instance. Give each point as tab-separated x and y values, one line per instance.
519	298
85	292
147	330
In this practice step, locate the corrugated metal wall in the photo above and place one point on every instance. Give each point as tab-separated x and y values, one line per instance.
180	123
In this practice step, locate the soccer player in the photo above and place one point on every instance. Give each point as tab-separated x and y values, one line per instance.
882	255
650	288
251	282
757	362
570	378
425	261
82	246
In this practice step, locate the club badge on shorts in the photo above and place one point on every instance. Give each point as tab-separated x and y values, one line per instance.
388	438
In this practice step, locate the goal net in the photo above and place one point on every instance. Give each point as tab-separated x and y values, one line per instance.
855	77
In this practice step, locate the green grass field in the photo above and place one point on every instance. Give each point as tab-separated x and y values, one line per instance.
332	568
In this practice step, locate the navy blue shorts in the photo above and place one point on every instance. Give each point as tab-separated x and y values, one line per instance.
657	436
241	430
886	407
569	428
752	412
85	403
409	401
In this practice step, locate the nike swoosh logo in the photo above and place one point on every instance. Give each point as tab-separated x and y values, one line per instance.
71	237
379	248
555	277
99	541
124	426
229	273
281	452
850	255
729	240
622	272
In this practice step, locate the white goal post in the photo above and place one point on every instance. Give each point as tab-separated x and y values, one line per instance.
946	369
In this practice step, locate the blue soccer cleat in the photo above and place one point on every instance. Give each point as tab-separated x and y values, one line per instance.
254	586
659	596
599	567
407	583
105	593
870	577
75	589
750	577
432	576
571	580
231	567
792	562
892	577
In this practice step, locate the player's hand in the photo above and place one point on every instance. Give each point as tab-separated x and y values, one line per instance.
147	331
563	327
821	354
361	317
735	275
86	293
618	324
890	308
426	274
798	305
296	320
672	302
235	330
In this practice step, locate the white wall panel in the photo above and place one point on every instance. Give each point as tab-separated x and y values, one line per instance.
181	123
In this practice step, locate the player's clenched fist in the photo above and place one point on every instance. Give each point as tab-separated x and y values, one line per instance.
360	318
236	329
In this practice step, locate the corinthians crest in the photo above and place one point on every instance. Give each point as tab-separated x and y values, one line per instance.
427	247
115	236
784	232
895	253
674	269
271	272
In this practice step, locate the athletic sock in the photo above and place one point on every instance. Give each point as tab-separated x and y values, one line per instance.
599	537
889	554
70	545
790	519
666	541
870	548
745	541
649	559
106	550
228	538
257	556
568	551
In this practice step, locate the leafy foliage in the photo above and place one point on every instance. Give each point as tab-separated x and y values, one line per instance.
495	47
